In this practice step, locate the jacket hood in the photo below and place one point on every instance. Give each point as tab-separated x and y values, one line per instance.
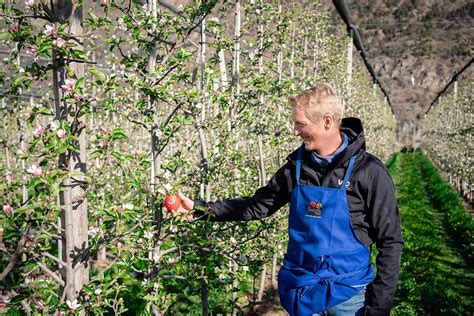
350	126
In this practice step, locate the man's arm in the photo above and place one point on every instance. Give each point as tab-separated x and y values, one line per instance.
385	228
266	201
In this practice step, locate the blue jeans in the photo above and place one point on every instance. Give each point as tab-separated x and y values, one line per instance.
351	307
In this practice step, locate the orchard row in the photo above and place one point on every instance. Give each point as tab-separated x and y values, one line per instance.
448	137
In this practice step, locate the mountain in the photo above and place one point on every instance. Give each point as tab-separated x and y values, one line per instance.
415	47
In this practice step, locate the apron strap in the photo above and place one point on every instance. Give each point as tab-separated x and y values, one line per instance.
298	164
348	172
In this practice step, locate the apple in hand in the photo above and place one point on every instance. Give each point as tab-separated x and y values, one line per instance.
172	203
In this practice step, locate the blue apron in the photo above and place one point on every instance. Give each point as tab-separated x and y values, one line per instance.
325	263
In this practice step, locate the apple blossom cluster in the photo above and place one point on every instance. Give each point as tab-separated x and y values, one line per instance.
14	28
68	85
22	150
50	30
38	132
7	208
29	4
61	133
9	179
35	170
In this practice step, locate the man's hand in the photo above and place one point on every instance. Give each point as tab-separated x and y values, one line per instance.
186	204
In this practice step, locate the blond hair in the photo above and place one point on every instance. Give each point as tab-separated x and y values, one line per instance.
318	101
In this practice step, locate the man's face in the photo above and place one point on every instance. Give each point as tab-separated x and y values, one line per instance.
313	135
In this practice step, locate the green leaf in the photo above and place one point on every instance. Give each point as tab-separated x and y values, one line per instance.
77	53
19	80
117	155
17	299
118	133
79	82
97	73
96	153
34	182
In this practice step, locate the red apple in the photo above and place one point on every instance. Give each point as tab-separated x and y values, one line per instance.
172	202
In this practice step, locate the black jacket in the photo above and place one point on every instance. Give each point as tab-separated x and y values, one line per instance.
371	200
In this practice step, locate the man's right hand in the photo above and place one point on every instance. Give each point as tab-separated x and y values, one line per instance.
186	205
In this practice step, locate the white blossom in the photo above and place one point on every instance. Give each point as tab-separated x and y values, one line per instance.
73	304
29	4
128	206
50	30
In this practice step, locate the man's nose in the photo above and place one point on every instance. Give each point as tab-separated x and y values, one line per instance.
296	132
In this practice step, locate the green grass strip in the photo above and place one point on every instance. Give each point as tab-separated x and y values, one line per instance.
434	278
458	222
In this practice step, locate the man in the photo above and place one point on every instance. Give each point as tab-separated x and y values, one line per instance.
342	200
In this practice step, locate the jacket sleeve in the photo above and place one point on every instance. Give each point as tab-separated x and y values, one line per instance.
265	201
385	229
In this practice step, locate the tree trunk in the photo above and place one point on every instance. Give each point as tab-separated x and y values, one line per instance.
261	287
274	267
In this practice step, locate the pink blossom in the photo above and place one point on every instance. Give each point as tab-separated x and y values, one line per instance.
35	170
94	231
68	85
38	132
29	4
105	2
22	150
139	24
8	209
119	246
31	50
50	30
78	96
14	28
104	131
58	42
61	133
9	179
98	291
40	304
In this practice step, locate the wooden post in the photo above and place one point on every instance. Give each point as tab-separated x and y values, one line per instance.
234	269
292	56
349	69
204	186
94	93
263	175
73	199
456	111
236	62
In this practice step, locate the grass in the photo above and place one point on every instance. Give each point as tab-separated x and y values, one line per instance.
436	278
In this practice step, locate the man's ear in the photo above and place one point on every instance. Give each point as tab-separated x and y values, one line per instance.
328	121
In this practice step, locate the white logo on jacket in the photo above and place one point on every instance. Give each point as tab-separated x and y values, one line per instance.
339	182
